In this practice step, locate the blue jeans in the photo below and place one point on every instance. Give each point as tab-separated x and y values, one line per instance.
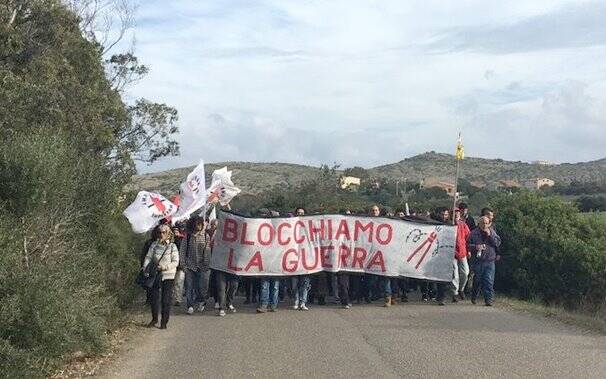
390	285
269	292
196	286
300	288
484	277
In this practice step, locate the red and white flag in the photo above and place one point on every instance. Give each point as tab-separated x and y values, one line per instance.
147	210
221	189
193	194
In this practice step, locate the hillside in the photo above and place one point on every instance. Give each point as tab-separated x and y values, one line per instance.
254	178
479	169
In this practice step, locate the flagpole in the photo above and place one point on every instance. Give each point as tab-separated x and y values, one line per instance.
458	157
455	192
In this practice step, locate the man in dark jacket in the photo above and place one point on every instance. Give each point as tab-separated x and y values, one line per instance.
483	244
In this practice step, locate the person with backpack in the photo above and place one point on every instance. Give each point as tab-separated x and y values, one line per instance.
161	261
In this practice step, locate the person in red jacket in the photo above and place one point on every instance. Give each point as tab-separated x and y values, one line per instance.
461	255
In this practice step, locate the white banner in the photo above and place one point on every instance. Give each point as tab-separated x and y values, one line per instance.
147	210
308	244
193	193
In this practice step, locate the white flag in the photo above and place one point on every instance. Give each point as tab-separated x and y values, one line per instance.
222	189
147	210
193	194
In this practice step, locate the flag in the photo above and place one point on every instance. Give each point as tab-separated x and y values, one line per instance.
213	215
460	152
192	194
147	210
221	189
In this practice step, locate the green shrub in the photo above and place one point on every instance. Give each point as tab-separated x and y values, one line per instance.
550	252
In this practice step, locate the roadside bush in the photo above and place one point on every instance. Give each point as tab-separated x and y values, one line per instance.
550	252
67	258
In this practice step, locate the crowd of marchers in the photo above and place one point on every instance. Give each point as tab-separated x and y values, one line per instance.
181	256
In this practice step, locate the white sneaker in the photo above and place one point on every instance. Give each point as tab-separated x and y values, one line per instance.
201	307
190	310
221	313
347	306
296	305
217	306
231	308
303	307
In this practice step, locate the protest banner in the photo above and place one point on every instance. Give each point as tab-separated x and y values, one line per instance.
309	244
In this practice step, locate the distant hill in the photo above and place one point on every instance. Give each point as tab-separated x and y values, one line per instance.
254	178
488	170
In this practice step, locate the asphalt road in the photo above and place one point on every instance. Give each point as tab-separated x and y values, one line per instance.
413	340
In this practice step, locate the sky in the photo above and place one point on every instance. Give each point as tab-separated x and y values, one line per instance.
372	82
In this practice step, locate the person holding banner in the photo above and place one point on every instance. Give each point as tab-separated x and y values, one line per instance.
300	283
195	262
461	255
164	255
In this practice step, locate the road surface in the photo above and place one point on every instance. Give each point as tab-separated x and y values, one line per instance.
413	340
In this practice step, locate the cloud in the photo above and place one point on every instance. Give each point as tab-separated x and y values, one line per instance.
573	26
360	83
566	121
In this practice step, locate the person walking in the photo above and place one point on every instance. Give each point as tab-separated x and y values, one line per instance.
484	243
164	256
461	255
301	284
195	262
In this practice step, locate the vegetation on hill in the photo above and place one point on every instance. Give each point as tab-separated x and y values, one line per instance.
255	178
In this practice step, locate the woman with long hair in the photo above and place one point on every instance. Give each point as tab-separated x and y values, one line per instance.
164	256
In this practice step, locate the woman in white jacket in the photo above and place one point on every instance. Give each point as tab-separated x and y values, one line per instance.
164	254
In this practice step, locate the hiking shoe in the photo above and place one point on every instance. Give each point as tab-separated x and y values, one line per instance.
303	307
221	313
152	324
296	305
231	308
190	310
262	309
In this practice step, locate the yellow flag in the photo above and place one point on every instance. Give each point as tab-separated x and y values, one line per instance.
460	153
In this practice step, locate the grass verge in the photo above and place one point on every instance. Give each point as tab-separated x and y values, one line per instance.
584	321
79	365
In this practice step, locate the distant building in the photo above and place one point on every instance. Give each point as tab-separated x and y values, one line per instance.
350	182
477	184
505	184
438	183
542	163
538	183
